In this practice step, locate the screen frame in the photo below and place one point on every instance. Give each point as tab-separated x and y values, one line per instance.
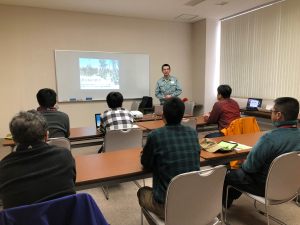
98	117
257	99
134	67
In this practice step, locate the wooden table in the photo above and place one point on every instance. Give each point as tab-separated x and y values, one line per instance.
85	136
124	165
262	114
148	117
79	137
151	125
109	168
223	158
152	117
155	124
84	133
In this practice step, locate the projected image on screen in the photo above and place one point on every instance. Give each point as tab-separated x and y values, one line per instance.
99	73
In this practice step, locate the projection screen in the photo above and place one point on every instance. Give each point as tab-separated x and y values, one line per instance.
88	75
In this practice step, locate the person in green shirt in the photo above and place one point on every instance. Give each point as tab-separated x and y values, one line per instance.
252	175
169	151
167	86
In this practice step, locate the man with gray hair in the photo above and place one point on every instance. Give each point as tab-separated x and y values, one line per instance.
34	171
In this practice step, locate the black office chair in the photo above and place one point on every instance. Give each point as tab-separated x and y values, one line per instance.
146	105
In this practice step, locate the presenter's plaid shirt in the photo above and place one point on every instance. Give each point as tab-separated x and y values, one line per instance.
169	151
116	119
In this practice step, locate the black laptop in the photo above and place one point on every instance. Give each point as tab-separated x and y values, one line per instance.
253	104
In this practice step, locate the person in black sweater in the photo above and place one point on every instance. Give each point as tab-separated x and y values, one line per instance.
34	171
58	122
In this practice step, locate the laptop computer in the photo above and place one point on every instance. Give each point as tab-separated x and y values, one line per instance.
253	104
98	120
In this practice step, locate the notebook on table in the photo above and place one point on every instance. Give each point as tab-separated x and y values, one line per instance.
253	104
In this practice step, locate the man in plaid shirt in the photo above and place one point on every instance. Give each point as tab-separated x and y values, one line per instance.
116	117
169	151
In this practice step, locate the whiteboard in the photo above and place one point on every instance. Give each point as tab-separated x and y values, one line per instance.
91	75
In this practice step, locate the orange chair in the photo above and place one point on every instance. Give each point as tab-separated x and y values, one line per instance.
243	125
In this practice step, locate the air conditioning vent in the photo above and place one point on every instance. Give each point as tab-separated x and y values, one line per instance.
193	2
187	18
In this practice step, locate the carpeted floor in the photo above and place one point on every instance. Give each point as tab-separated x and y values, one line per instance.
122	208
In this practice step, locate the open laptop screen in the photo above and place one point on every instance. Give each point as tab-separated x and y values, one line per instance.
98	120
254	103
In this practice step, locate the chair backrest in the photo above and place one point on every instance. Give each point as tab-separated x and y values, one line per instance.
135	105
123	139
243	125
283	179
158	110
195	198
189	108
190	122
75	209
60	142
146	105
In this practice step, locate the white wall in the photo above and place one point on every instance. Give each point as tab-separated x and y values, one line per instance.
29	37
198	60
212	60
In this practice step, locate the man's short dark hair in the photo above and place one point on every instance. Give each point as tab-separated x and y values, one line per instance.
46	97
28	127
114	100
165	65
224	90
173	110
288	106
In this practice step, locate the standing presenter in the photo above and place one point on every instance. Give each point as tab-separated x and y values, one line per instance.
167	86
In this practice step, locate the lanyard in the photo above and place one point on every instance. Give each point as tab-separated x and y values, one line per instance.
288	126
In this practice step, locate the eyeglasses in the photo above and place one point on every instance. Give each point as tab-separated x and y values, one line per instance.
275	111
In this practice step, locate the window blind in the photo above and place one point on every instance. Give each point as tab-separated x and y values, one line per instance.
260	52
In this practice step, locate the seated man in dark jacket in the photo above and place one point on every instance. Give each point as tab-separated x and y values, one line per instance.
34	171
58	122
169	151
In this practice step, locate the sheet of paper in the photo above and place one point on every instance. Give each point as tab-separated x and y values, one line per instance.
240	146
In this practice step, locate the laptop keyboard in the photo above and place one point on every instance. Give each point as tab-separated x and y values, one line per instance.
251	109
